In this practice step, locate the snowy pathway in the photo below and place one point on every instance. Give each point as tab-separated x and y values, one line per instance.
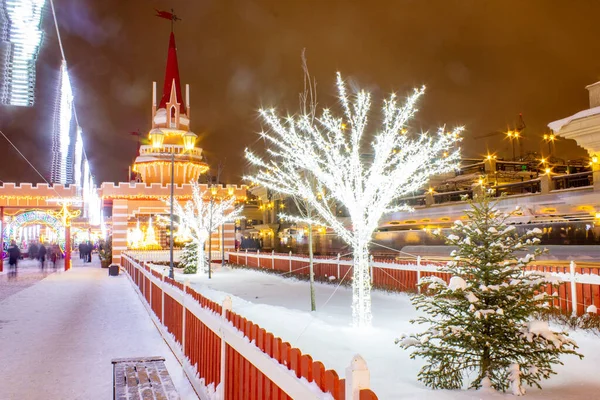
58	336
28	273
282	306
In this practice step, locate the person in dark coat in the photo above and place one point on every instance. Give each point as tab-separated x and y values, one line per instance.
33	250
89	250
81	250
42	254
13	257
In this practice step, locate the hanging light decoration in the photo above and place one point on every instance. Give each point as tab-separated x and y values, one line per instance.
78	158
62	126
22	36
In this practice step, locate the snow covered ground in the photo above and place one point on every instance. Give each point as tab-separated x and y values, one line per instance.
281	306
58	336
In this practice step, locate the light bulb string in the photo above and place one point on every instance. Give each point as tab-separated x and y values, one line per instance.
64	59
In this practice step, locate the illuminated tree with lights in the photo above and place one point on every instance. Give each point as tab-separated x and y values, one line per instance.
329	150
200	217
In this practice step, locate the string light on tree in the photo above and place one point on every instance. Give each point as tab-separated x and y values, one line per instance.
328	150
200	218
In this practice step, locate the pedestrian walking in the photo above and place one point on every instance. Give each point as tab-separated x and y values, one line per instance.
54	254
81	250
13	258
33	251
42	254
89	249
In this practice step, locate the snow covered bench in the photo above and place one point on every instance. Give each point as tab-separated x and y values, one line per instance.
144	378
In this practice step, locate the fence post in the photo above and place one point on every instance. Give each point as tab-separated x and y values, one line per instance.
371	265
186	283
258	259
573	289
357	378
338	266
290	261
246	257
150	280
272	259
226	307
418	274
162	303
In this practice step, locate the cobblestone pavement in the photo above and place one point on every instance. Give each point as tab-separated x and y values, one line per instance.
28	273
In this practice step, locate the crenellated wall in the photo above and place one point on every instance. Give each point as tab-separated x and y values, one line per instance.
34	195
140	190
132	199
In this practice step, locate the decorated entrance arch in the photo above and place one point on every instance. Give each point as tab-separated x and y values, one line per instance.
34	217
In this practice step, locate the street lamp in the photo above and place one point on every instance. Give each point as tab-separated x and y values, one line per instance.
157	137
189	140
512	136
550	138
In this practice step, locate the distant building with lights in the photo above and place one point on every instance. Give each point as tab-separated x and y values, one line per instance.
172	148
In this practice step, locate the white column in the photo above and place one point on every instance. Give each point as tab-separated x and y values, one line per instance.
573	289
357	378
418	273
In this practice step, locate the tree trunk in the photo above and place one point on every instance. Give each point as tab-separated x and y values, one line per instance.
313	302
209	254
361	287
200	262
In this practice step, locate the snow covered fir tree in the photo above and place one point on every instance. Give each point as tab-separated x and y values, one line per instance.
190	258
483	321
328	153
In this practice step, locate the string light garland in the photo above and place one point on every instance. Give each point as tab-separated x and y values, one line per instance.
22	37
14	227
78	158
62	127
327	150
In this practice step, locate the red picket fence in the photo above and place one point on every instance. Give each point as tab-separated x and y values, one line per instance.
403	275
249	371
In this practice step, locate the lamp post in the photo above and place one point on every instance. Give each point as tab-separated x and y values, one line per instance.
550	140
511	136
189	140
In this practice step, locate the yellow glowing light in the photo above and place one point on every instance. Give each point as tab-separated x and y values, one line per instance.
157	137
598	215
548	170
430	190
595	160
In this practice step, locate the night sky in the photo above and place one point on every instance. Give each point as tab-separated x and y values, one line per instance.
483	62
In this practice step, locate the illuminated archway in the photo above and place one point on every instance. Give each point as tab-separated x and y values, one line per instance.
34	217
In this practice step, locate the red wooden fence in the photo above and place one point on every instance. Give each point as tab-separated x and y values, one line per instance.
402	275
202	343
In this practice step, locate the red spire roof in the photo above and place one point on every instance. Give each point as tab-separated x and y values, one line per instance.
172	73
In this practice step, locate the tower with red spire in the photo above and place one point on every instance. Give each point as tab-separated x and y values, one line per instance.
170	133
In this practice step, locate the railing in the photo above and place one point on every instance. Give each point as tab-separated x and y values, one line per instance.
446	197
226	356
163	255
510	189
580	179
579	286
